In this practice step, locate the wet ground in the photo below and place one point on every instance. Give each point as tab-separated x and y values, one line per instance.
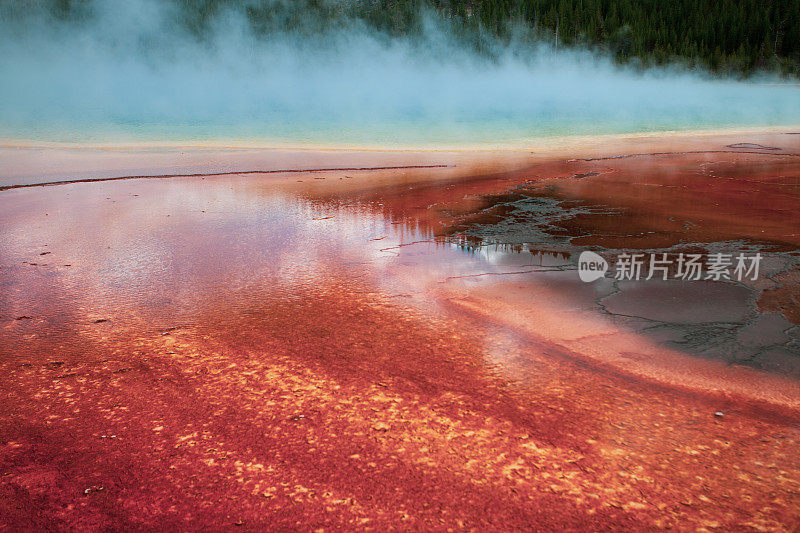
404	347
704	203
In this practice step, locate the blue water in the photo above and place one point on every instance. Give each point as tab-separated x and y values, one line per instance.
124	77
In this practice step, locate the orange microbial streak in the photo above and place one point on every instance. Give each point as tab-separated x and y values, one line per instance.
344	353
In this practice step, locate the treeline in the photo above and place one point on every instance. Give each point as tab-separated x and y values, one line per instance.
738	37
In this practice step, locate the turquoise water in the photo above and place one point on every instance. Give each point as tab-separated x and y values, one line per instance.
382	127
125	77
639	106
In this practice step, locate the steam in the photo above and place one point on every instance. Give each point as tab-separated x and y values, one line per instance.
130	72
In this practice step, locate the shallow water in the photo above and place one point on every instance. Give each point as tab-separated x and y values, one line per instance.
412	342
235	240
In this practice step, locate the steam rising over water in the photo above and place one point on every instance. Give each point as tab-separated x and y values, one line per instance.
129	73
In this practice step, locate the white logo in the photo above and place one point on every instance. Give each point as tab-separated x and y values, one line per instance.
639	265
591	266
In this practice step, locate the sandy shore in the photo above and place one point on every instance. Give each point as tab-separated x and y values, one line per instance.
29	162
281	338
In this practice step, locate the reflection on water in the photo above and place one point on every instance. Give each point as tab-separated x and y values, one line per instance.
179	252
379	346
166	252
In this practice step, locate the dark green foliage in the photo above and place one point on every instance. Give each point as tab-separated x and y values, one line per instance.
730	36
